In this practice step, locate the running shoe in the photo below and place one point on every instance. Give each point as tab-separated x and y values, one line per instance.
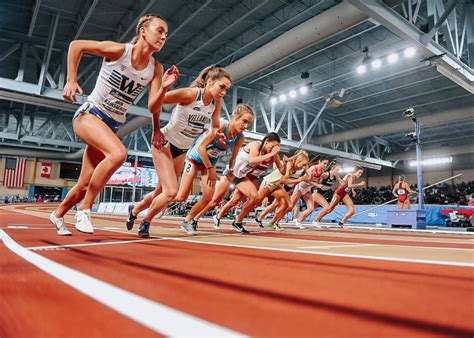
59	224
259	223
217	222
277	227
239	227
317	224
194	224
131	219
300	225
83	221
144	230
186	226
342	225
271	226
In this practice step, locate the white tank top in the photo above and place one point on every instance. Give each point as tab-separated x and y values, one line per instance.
119	84
242	166
188	122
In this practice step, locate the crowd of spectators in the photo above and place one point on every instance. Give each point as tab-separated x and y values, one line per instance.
35	199
441	194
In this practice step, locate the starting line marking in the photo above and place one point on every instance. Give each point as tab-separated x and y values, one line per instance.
157	317
52	247
335	246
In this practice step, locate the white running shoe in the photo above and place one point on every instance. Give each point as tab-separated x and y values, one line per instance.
300	225
83	221
59	224
317	224
217	222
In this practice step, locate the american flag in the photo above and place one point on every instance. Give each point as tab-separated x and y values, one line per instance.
14	175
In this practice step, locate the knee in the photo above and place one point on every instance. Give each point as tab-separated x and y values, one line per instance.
213	203
253	196
351	211
81	188
171	196
180	198
118	156
206	200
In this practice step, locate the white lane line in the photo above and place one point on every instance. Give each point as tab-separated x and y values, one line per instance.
335	246
343	244
395	259
48	247
155	316
17	227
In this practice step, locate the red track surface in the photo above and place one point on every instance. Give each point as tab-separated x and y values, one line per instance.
255	292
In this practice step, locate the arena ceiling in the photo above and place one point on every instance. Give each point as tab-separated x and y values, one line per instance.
437	80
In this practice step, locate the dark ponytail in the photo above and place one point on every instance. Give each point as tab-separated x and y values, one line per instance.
269	137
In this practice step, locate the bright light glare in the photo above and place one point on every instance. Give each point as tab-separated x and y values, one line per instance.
282	97
376	64
345	170
409	52
292	93
361	69
432	161
273	100
303	90
392	58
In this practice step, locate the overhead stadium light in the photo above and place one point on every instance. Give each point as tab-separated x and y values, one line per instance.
432	161
282	97
361	69
409	52
376	64
303	90
346	170
273	100
292	93
392	58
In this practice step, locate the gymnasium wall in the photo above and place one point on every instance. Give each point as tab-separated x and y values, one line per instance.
462	164
33	177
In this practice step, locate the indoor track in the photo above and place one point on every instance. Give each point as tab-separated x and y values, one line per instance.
354	282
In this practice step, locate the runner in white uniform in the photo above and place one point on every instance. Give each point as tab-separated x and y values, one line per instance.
274	184
197	106
126	70
253	155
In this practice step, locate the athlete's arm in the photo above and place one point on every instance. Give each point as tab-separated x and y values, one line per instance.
279	164
255	158
235	151
216	115
352	185
182	96
395	188
211	134
409	190
158	87
110	50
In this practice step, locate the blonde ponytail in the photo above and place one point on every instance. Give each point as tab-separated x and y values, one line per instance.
144	21
212	72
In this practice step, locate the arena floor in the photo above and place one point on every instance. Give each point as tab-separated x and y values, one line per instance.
315	282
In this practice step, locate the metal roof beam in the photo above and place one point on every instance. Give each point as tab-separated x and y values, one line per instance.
447	64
